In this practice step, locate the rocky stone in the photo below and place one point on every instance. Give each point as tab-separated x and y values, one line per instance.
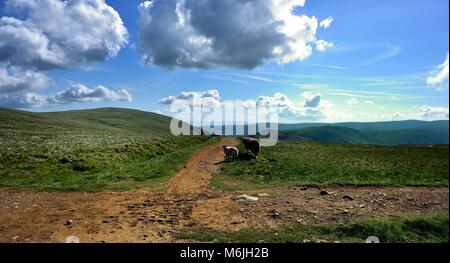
348	197
68	222
72	239
274	213
245	198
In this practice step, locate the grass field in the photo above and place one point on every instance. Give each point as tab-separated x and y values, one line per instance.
396	229
313	163
89	150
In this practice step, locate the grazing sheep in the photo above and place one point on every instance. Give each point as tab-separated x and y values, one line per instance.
231	153
252	145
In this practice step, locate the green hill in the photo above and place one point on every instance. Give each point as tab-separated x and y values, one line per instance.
382	133
89	150
105	120
327	134
438	126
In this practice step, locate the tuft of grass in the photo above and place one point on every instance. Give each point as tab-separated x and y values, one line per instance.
396	229
314	163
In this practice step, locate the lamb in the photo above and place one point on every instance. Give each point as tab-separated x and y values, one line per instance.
252	145
231	153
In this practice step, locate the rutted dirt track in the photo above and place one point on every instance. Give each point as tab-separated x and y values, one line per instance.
143	216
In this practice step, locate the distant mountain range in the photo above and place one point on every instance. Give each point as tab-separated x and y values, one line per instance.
382	133
126	120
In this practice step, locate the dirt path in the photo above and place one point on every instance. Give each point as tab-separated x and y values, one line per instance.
143	216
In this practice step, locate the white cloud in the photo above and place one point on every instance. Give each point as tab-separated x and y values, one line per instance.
82	94
352	101
225	33
77	93
60	34
433	113
53	34
20	87
210	98
313	107
18	80
369	102
322	45
439	77
326	23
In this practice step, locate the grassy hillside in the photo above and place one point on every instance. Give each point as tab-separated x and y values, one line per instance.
381	133
314	163
89	150
327	134
339	134
438	126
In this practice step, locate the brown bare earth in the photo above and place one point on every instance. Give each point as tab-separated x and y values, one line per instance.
145	216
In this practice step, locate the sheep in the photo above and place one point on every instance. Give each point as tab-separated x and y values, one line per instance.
252	145
231	152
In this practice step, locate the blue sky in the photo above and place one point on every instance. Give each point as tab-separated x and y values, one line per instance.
382	54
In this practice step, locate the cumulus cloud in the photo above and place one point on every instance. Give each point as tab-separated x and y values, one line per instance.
81	93
313	107
352	101
18	80
433	113
54	34
326	23
210	98
76	93
322	45
41	35
19	87
224	33
439	77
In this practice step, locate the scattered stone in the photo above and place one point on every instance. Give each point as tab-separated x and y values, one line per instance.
245	198
304	188
263	195
323	192
69	222
105	222
348	197
72	239
362	206
274	213
14	238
